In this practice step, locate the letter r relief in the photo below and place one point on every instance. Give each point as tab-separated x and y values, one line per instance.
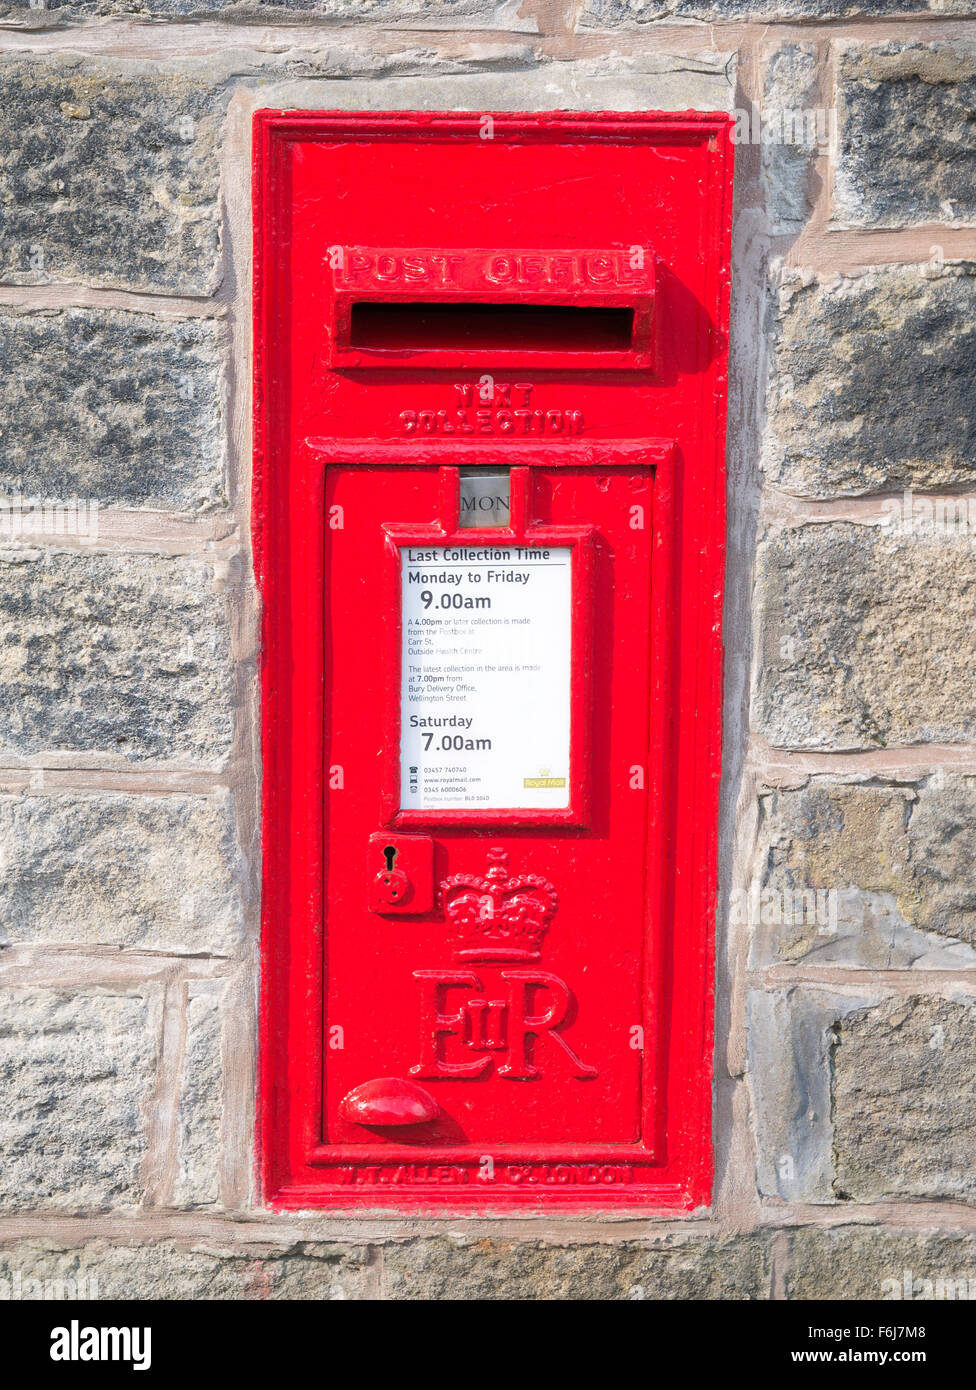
523	1025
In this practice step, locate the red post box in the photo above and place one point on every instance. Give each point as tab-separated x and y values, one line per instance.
489	497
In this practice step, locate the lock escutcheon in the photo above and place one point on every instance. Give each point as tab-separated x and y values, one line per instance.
400	874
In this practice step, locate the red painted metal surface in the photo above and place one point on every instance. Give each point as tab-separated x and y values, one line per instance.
531	1025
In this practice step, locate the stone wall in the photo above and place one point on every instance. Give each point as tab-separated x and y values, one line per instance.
129	775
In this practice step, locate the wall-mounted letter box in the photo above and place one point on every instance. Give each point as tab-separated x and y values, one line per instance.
489	497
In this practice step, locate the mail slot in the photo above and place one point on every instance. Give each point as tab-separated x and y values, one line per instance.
465	306
489	501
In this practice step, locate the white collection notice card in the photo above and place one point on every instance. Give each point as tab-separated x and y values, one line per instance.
485	677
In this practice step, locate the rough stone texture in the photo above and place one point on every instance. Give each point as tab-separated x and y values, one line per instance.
123	655
733	1268
700	81
439	14
850	1262
75	1075
906	152
695	81
693	1268
109	175
872	876
904	1093
158	873
201	1098
122	408
790	114
864	639
790	1037
186	1270
860	1096
871	381
475	14
604	13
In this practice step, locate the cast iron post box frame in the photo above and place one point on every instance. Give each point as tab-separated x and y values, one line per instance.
671	1166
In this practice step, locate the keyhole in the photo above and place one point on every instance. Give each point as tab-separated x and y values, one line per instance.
389	854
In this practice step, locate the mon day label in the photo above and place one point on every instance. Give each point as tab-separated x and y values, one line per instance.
485	677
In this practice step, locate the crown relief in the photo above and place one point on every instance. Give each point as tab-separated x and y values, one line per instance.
501	916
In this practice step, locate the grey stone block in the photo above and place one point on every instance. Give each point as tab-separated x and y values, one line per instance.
75	1073
123	409
433	14
696	80
600	13
201	1098
692	1268
852	1262
866	876
199	1270
859	1096
906	152
156	873
905	1100
797	130
120	655
864	638
109	175
790	1037
871	379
